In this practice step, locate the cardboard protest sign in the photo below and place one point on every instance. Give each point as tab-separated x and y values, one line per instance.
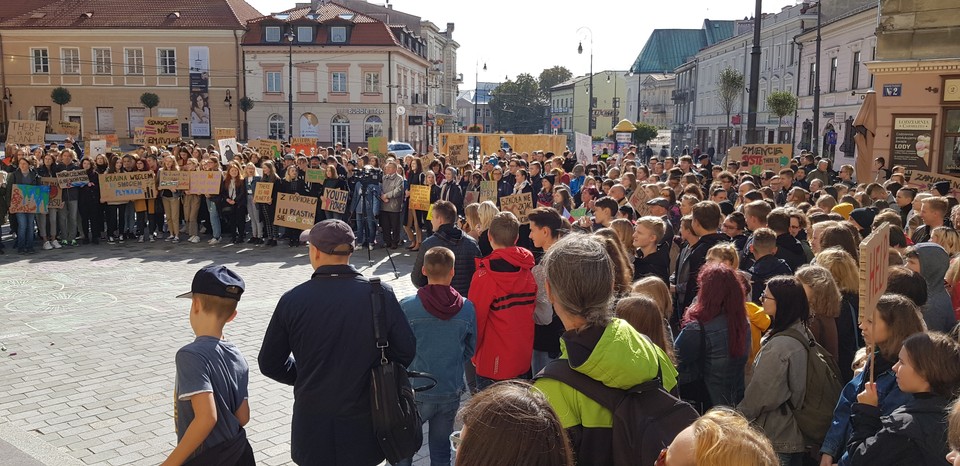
295	211
577	213
72	178
584	149
874	269
140	136
267	147
56	196
760	157
228	149
174	179
69	128
455	147
205	182
488	191
131	186
315	175
470	197
29	199
924	181
95	148
224	133
489	144
161	131
377	145
306	145
638	200
420	197
26	132
426	160
263	193
520	204
334	200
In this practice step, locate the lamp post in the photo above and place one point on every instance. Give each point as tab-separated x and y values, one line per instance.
476	92
290	37
754	95
590	102
815	130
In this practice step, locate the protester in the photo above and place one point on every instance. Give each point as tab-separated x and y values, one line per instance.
447	234
645	316
653	255
846	274
932	261
25	174
546	227
721	437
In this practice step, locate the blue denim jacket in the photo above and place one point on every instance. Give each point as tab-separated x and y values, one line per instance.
442	347
374	190
722	374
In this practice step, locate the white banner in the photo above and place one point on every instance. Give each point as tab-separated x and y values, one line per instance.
584	147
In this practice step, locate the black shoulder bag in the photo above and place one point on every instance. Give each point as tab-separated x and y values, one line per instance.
396	421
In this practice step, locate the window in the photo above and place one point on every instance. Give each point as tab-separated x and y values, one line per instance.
338	81
372	127
950	162
812	80
338	34
477	112
70	61
41	61
873	57
792	52
167	61
486	112
855	79
272	33
102	63
340	129
275	126
132	61
833	74
371	83
304	34
274	81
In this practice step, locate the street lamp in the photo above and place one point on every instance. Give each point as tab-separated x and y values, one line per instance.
815	130
754	95
590	102
476	92
289	36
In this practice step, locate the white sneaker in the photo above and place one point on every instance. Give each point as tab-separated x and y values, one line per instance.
194	239
153	239
175	239
168	238
55	244
214	241
47	246
140	239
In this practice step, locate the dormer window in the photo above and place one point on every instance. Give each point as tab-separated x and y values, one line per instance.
272	33
338	34
305	34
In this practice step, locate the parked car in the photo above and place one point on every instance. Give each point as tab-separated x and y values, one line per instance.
401	149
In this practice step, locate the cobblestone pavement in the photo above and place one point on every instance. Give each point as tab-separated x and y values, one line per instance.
91	332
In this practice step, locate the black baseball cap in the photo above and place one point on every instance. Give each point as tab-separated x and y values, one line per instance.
330	237
216	280
659	201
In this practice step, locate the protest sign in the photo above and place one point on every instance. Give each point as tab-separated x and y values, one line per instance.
638	200
295	211
174	179
267	147
95	148
228	149
488	191
26	132
56	195
161	131
306	145
68	128
760	157
520	204
139	136
377	145
874	269
224	133
335	200
205	182
470	197
72	178
420	197
924	181
455	147
111	140
426	160
584	149
315	175
577	213
29	199
131	186
263	193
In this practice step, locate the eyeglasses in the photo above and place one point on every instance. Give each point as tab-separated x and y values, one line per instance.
455	440
661	458
764	296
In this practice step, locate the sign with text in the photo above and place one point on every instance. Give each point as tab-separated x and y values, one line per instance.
95	148
584	148
924	181
295	211
263	193
139	135
874	269
267	147
205	182
315	175
335	200
228	149
224	133
26	132
760	157
638	200
377	145
308	146
72	178
56	195
520	204
174	180
455	146
161	131
488	191
116	187
911	141
29	199
69	128
420	197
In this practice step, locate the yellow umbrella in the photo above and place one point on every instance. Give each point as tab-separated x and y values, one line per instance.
865	131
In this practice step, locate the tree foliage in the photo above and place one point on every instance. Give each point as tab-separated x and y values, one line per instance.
246	104
731	84
782	103
517	106
551	77
150	100
61	96
644	133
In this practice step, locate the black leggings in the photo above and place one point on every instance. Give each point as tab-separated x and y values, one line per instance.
266	213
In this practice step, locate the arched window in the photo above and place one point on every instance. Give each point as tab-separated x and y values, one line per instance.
275	126
340	129
373	127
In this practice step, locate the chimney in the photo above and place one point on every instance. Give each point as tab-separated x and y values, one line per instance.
449	28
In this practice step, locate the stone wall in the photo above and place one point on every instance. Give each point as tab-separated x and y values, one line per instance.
918	29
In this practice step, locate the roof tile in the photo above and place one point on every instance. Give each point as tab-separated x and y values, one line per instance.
139	14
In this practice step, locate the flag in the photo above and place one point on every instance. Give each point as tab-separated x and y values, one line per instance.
568	216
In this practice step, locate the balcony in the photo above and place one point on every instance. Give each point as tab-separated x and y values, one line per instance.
658	108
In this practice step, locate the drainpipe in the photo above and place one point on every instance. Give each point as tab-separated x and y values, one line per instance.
796	110
3	87
238	94
390	96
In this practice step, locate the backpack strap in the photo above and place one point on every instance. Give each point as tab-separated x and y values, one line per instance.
379	334
609	398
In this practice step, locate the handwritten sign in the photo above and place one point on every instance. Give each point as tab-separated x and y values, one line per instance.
335	200
315	175
263	193
488	191
924	181
205	182
26	132
174	180
638	200
56	195
520	204
139	136
295	211
377	145
577	213
584	148
224	133
228	149
760	157
29	199
426	160
95	148
117	187
306	145
267	147
874	269
161	131
420	197
470	197
69	128
456	149
72	178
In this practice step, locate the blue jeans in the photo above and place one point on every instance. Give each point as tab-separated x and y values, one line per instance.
441	417
366	229
25	231
214	217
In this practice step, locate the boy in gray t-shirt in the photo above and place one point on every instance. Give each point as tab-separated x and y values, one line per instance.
210	407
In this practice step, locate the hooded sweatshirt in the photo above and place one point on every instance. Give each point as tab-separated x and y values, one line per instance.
938	312
442	301
504	294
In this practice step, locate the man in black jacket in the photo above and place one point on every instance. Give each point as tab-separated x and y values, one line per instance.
320	340
465	248
706	222
788	248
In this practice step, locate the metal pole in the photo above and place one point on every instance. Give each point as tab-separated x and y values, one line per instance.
390	96
796	110
290	85
590	105
754	77
815	131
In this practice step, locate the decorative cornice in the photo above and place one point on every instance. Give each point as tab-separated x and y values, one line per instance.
951	65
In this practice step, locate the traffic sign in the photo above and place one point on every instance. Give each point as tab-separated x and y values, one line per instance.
555	122
440	121
401	110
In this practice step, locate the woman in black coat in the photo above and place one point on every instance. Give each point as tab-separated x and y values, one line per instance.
450	190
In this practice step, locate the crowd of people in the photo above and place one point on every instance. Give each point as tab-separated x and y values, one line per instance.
738	289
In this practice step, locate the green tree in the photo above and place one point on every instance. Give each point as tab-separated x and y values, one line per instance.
517	106
644	133
730	83
551	77
61	96
150	100
246	104
782	103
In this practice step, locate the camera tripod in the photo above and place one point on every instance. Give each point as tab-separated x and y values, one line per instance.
361	216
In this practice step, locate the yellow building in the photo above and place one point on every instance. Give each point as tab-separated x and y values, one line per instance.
107	54
569	103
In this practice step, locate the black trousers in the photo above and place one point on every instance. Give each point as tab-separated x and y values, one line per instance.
91	220
392	225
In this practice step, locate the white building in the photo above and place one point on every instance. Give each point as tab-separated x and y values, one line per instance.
656	106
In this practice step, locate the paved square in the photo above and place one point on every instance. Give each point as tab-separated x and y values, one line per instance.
91	333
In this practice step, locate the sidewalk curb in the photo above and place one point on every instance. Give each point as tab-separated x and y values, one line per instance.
30	450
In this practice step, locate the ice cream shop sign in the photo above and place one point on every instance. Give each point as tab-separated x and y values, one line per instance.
912	141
